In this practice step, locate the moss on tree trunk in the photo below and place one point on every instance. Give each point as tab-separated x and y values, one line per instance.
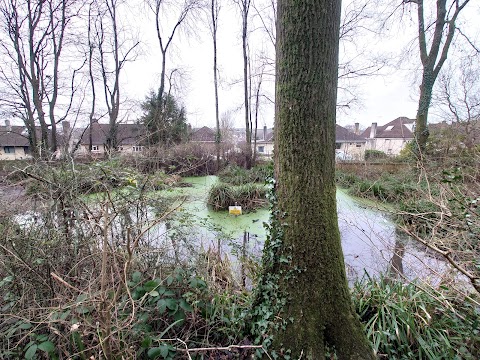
318	308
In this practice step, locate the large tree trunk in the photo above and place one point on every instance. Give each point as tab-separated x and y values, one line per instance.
318	309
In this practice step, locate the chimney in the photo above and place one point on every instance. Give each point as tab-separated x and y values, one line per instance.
373	130
264	132
8	126
357	128
66	127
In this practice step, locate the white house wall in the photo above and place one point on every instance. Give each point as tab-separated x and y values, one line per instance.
267	149
388	146
19	154
355	150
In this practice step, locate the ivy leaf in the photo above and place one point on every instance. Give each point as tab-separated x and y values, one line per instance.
185	306
25	326
31	352
137	276
47	346
172	304
154	353
164	350
179	316
162	305
151	285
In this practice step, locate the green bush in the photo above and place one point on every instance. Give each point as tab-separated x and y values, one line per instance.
375	154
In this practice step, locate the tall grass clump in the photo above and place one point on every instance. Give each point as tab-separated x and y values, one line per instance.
248	196
236	175
386	188
404	321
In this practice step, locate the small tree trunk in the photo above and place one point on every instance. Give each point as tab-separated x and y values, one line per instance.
218	136
248	134
421	126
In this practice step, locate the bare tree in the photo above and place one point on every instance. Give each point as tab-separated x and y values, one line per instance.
91	54
435	37
185	10
33	39
214	12
258	96
458	99
244	8
356	61
114	51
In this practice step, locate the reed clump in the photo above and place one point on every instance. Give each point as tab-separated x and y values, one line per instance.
249	196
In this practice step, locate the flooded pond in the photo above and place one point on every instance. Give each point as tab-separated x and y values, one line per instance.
370	241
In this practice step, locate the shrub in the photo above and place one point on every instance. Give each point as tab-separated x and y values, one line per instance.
189	159
375	154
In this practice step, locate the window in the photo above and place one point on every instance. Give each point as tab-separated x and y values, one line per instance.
358	145
9	149
261	149
26	150
94	147
389	128
338	145
137	148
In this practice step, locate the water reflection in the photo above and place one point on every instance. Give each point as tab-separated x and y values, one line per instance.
370	241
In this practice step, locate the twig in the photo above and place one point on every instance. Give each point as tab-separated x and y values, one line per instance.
446	254
59	279
186	348
217	348
228	348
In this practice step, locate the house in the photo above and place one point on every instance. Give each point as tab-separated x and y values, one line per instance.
14	144
346	142
349	145
203	135
264	145
390	138
131	139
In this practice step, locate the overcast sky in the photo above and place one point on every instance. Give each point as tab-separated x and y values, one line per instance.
383	98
